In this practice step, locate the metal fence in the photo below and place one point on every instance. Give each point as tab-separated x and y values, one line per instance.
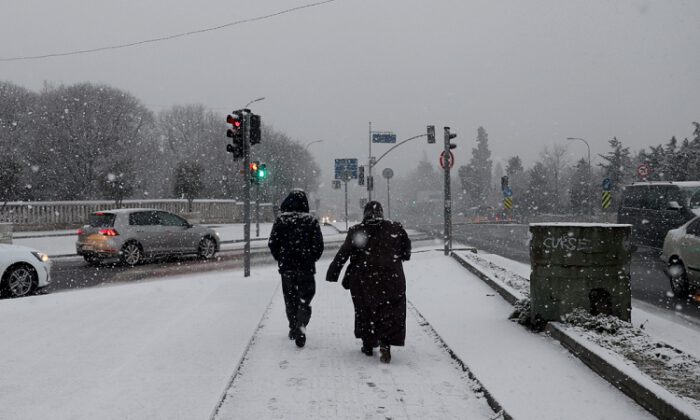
59	214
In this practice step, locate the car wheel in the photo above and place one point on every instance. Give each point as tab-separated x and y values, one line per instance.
679	278
131	254
20	280
206	249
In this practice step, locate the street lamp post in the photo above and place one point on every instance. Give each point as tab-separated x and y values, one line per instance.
306	183
589	199
253	101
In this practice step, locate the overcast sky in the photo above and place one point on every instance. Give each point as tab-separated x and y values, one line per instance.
531	72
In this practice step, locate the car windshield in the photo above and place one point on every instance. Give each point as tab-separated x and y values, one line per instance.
692	196
100	220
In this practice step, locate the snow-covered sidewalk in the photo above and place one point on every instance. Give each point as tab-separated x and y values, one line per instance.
330	378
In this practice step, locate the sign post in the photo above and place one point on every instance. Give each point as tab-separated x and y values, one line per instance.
606	198
388	173
447	160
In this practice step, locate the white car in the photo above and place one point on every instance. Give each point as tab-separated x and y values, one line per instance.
681	253
24	270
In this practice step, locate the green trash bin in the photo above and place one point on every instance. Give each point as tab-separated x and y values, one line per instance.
579	265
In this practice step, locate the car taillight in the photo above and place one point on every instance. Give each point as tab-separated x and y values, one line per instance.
109	232
80	232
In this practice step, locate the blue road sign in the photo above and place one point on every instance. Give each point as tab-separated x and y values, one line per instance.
607	184
507	192
383	137
349	165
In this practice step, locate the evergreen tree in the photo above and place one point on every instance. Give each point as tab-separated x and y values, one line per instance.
476	176
617	167
578	192
189	181
538	197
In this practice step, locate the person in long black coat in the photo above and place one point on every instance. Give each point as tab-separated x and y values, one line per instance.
296	243
376	249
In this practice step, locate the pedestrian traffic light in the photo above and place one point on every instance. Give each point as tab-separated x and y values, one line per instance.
255	134
235	133
431	134
504	182
361	175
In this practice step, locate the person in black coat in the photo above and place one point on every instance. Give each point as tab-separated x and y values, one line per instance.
296	244
376	249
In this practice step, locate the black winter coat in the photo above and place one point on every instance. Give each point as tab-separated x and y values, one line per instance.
376	249
296	241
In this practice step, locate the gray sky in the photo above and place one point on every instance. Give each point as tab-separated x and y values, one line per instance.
531	72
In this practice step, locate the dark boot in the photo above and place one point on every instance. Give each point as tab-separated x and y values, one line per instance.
300	337
292	334
385	353
367	349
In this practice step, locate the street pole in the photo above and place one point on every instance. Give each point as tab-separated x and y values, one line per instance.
257	209
388	200
369	163
246	196
448	195
589	198
345	181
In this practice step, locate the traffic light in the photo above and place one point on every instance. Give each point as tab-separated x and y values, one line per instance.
255	129
504	182
253	172
361	175
449	136
431	134
262	172
235	133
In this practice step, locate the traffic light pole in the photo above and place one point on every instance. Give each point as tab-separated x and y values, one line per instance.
246	195
448	195
369	168
257	209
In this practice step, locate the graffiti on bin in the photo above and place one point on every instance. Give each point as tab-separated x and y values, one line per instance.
568	243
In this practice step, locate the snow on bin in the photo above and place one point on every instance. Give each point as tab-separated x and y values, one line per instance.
5	233
579	265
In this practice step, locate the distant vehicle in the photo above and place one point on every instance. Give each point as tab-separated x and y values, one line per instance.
132	235
681	253
24	270
484	214
654	208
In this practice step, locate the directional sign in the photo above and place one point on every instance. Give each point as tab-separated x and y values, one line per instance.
507	192
383	137
343	165
336	184
442	160
607	184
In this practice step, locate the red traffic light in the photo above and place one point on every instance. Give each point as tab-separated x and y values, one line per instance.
234	120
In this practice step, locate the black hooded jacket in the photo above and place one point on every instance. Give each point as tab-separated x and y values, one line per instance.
296	241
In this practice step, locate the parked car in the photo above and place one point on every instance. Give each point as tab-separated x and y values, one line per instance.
133	235
681	252
24	270
654	208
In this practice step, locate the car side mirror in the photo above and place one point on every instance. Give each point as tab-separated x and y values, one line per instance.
673	205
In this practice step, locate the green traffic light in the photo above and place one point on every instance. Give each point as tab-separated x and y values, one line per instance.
262	172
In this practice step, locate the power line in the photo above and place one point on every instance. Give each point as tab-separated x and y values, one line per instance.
167	37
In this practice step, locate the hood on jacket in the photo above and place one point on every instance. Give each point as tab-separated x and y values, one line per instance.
296	201
373	211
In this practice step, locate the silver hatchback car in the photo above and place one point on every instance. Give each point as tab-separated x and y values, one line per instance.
133	235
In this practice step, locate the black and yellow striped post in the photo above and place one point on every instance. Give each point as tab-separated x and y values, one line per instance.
508	202
606	199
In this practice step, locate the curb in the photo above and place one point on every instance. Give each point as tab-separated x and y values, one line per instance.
642	394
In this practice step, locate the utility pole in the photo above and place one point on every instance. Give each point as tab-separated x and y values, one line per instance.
447	157
369	164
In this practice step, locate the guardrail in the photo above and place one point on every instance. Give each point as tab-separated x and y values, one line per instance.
66	214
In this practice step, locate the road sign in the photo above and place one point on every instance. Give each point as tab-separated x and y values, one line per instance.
442	160
349	165
388	173
336	184
508	202
607	184
643	170
606	199
507	192
383	137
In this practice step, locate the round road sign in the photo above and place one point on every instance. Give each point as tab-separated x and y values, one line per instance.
388	173
643	170
442	159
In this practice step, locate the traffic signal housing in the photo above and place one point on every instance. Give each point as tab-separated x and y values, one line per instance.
255	134
361	175
431	134
235	133
262	172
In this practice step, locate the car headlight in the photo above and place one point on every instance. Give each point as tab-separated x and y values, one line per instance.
41	256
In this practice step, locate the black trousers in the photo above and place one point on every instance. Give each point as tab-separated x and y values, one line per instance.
299	287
